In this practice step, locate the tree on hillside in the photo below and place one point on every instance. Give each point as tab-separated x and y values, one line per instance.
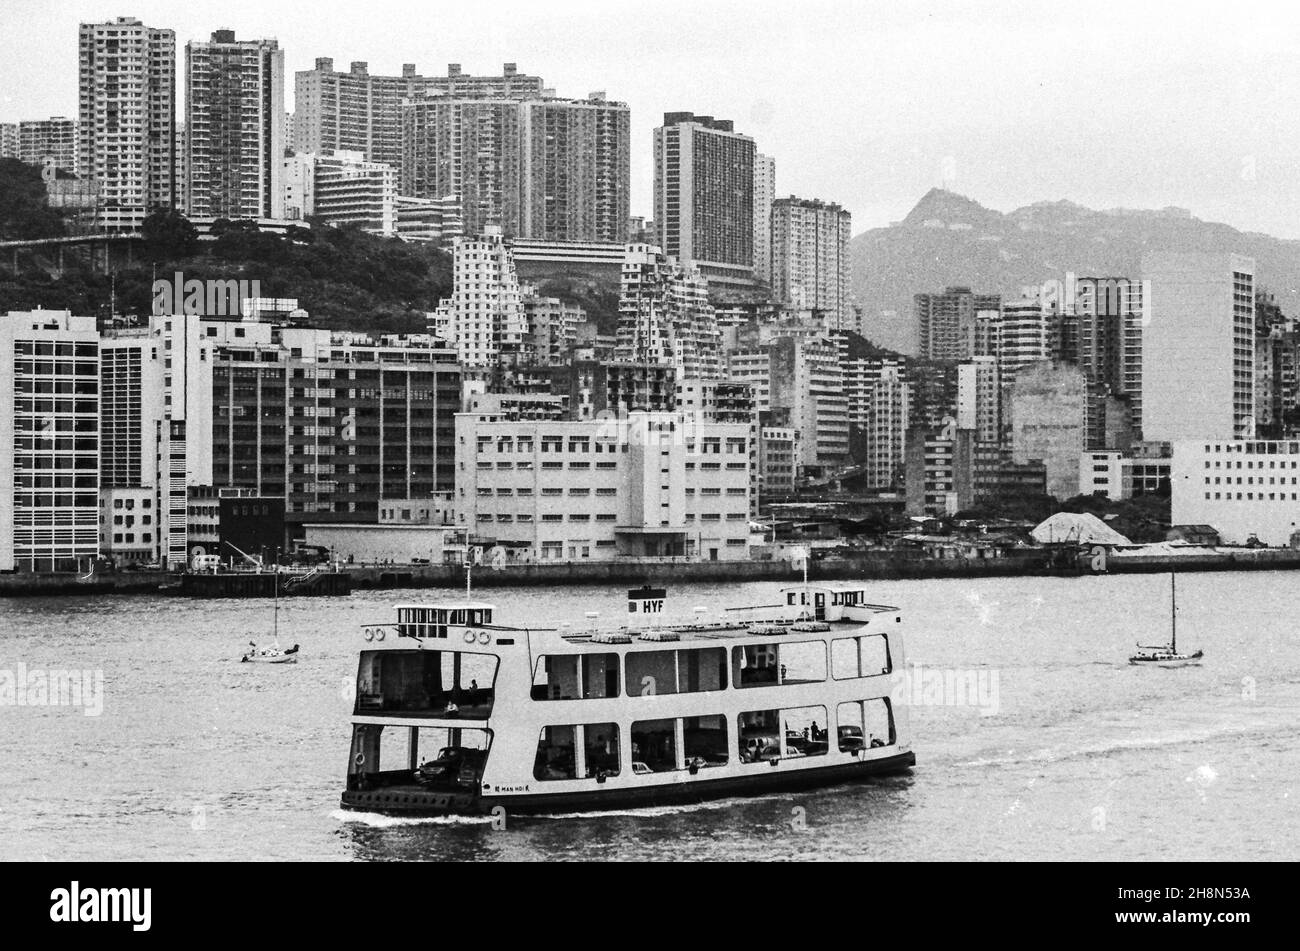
24	213
168	236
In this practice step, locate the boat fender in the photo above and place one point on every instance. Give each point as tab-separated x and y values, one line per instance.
469	637
359	759
600	776
774	761
693	768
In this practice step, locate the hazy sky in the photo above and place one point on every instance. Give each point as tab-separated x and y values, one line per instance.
865	103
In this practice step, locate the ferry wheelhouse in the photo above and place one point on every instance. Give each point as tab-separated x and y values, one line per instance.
457	714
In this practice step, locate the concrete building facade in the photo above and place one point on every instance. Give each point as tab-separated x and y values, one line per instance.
810	257
1242	488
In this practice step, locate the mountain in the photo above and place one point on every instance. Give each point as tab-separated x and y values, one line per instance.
951	240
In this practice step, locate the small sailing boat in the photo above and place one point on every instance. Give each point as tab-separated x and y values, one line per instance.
1167	655
275	654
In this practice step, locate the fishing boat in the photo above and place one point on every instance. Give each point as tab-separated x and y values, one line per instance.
275	654
1167	655
456	713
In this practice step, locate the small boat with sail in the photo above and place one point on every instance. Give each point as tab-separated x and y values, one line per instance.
275	654
1167	655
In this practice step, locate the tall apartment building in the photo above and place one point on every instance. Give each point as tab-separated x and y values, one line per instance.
1025	335
234	127
553	169
644	485
552	328
484	318
49	441
342	189
127	113
810	257
947	323
764	195
55	139
979	398
8	140
1198	346
799	383
664	315
1109	312
360	112
704	194
333	423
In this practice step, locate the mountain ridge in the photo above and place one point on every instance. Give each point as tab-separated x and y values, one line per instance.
949	239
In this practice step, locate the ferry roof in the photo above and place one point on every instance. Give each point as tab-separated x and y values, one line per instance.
449	606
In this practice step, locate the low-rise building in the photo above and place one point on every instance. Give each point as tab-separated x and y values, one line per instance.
641	485
1243	488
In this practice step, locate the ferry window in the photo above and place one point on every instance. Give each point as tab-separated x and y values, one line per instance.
866	656
865	724
654	746
782	734
416	758
577	751
426	683
556	677
762	665
698	670
704	741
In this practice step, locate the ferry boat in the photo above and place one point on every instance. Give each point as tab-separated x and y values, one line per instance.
457	714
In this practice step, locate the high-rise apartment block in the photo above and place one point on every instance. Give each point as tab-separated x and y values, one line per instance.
360	112
979	398
54	140
8	140
948	324
554	169
341	189
1025	335
764	195
1198	346
810	258
665	316
234	127
484	319
704	194
49	441
127	114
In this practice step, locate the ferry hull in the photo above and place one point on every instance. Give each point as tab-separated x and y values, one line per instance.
430	803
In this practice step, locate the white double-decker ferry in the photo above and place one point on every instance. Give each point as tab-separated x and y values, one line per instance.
456	714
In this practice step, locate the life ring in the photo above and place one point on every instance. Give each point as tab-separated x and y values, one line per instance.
379	635
370	634
359	759
485	638
469	637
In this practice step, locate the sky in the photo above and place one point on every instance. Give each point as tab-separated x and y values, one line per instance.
868	104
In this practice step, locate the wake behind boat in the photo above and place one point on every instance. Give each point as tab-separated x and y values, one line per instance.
1167	655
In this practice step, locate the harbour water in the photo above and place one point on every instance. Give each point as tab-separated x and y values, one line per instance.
1068	751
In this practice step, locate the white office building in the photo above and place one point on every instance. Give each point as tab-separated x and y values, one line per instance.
1198	347
647	485
1239	487
49	441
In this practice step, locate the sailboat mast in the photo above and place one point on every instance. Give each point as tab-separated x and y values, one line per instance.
275	623
1173	613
